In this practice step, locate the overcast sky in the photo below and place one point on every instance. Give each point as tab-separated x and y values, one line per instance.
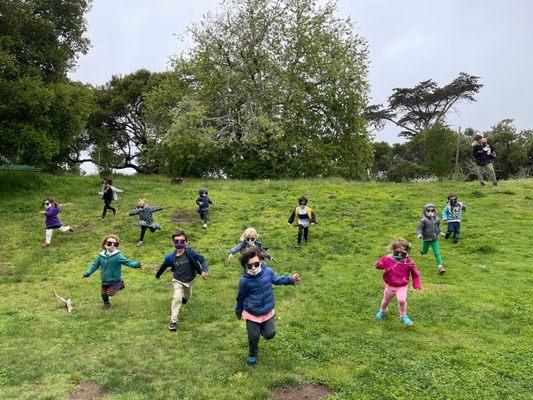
409	41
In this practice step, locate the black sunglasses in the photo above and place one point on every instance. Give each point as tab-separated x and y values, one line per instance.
109	244
253	265
180	241
431	210
250	239
400	253
46	203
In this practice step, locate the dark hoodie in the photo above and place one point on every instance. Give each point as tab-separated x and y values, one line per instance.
429	228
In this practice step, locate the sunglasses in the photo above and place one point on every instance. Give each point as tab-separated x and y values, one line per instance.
253	265
250	239
46	203
400	253
112	244
431	210
180	241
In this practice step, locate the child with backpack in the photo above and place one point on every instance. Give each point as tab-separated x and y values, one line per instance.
108	193
52	221
110	260
452	216
429	231
398	269
203	202
249	239
255	299
303	217
185	263
146	219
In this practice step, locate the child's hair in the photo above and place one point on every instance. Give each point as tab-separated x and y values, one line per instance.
302	199
452	195
478	136
249	233
142	200
107	237
400	243
484	140
202	190
50	200
180	233
108	181
250	253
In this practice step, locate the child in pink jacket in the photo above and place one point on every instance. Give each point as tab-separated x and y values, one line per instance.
398	269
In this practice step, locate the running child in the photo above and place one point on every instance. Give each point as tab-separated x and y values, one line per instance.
255	299
302	217
398	269
110	260
203	202
429	231
109	193
146	219
52	221
249	239
185	263
452	215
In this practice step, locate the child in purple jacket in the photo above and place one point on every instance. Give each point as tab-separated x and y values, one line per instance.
52	221
398	269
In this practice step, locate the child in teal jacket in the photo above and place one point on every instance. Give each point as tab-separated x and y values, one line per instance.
110	260
452	215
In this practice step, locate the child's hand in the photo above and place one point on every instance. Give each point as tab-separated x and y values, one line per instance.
204	275
272	259
201	203
230	256
420	236
239	317
84	276
41	212
418	288
288	223
296	277
377	264
442	234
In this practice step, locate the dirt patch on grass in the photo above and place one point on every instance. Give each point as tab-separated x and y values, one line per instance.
308	391
87	391
182	216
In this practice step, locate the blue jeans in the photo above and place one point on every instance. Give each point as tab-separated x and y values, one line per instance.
454	227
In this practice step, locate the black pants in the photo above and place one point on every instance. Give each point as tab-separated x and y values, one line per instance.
107	206
203	215
143	231
454	227
266	329
302	230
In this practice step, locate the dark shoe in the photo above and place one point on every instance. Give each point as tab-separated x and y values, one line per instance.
173	326
71	230
122	286
421	253
251	360
107	305
184	300
455	241
115	211
447	235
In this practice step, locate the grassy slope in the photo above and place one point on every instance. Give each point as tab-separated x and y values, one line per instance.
472	333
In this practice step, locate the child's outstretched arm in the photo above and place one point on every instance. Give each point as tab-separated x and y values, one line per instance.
135	211
284	279
291	218
241	295
161	269
130	263
463	206
94	266
156	208
415	273
313	217
378	264
420	229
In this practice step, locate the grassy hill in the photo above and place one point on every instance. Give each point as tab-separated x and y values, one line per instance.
472	330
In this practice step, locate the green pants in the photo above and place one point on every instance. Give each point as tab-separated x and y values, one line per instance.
435	247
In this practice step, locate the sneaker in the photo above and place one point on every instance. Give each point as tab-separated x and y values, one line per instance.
102	218
71	230
381	314
204	226
441	269
45	244
251	360
107	305
298	246
115	212
184	300
173	326
406	321
157	227
455	241
140	243
447	235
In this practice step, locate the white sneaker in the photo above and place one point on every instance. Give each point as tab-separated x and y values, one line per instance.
140	243
204	226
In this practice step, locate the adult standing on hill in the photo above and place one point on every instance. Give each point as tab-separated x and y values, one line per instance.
483	153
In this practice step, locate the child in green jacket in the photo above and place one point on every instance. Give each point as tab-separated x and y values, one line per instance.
111	261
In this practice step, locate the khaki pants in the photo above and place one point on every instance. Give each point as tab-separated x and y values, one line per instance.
49	232
489	169
181	291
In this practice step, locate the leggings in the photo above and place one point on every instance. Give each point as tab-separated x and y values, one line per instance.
435	247
107	206
266	329
49	232
302	230
401	295
143	231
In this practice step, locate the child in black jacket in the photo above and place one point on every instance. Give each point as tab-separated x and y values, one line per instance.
303	217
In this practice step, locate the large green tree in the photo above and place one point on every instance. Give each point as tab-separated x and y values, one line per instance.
282	88
40	110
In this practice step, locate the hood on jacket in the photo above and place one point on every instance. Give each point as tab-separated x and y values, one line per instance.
103	253
202	190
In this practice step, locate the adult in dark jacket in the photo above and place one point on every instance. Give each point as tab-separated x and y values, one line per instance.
483	154
185	263
255	299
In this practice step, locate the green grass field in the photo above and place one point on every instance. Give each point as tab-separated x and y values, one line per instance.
472	333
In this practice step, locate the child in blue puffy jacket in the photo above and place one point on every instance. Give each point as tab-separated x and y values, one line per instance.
255	299
203	202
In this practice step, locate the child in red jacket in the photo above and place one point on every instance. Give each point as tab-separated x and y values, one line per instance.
398	269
